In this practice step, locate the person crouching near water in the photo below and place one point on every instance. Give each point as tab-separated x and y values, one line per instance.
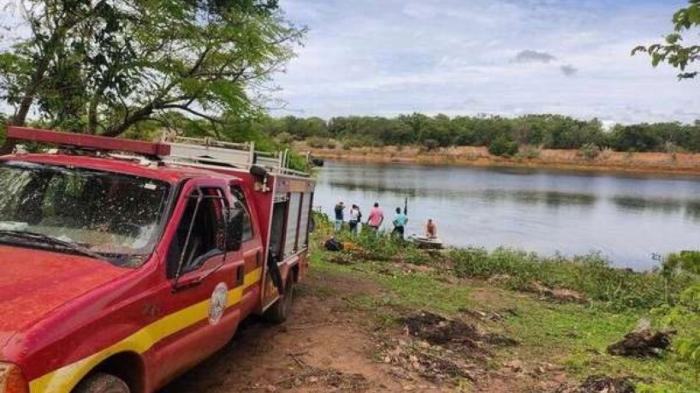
399	222
376	217
339	211
355	219
430	229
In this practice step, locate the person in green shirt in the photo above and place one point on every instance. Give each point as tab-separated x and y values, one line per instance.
399	222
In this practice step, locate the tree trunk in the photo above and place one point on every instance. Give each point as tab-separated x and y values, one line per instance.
118	129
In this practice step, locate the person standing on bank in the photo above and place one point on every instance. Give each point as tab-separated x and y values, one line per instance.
355	219
376	217
399	222
339	208
431	229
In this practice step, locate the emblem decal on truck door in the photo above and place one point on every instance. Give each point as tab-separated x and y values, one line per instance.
217	305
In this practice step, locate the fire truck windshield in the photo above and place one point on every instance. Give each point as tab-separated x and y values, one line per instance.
82	211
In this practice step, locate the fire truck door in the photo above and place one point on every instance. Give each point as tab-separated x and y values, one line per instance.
204	295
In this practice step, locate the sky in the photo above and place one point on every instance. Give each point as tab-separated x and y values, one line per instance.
495	57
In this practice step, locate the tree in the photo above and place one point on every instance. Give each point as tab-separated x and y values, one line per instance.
24	69
123	62
673	51
502	146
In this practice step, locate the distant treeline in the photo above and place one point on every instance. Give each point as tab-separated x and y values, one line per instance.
545	131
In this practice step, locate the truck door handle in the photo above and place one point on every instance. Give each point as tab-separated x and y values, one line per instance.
258	258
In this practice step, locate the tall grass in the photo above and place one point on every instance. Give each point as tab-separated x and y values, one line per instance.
591	275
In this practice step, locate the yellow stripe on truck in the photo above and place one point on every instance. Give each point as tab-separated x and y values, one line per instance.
65	378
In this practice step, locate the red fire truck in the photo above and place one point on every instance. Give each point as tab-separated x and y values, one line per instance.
125	263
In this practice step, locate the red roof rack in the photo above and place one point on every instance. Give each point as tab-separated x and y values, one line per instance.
88	141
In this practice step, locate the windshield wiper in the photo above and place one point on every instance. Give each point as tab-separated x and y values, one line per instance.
52	241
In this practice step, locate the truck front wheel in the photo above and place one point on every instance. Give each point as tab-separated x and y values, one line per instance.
102	383
279	312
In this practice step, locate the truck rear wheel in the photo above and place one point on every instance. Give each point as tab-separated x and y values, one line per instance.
102	383
279	312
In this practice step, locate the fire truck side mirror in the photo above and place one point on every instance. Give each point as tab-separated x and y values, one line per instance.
234	229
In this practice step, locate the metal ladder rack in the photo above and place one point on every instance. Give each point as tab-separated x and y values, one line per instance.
211	152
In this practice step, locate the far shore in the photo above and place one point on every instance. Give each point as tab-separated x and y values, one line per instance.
606	161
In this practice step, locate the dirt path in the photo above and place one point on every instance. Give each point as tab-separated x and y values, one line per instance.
324	347
329	345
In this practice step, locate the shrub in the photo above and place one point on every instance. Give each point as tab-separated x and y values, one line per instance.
3	128
685	314
529	152
590	151
589	274
503	147
285	138
430	144
320	143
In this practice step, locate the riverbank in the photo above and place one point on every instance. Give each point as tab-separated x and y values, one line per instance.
543	324
604	161
372	319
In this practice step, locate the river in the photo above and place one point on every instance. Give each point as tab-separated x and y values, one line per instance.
626	218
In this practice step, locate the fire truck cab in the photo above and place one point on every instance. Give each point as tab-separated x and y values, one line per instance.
125	263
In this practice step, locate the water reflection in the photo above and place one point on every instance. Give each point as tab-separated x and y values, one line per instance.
534	197
627	218
634	203
548	198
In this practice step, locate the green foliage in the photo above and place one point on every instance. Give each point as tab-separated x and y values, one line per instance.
106	67
284	138
673	51
503	146
590	151
590	274
430	144
3	128
375	246
320	143
543	131
684	315
529	152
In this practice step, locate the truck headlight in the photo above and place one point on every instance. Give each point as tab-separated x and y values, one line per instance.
12	380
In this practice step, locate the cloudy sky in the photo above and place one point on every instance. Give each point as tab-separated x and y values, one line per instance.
506	57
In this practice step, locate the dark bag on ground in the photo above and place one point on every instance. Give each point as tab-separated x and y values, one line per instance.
333	245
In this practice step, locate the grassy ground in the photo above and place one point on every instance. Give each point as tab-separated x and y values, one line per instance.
571	336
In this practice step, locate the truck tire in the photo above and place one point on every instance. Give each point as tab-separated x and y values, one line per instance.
102	383
279	312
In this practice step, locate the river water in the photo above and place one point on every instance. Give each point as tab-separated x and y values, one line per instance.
625	218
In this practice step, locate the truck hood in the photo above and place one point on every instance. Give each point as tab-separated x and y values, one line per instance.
35	282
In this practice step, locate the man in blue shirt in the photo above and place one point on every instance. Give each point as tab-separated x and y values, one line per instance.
339	208
399	222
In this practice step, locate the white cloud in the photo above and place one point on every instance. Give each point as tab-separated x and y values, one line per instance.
387	57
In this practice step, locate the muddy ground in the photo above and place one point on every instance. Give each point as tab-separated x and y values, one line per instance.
331	345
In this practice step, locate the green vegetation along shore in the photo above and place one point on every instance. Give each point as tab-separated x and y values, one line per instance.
501	135
530	157
558	312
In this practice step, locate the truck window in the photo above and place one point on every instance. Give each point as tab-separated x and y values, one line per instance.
290	239
239	202
307	199
279	214
110	214
199	231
